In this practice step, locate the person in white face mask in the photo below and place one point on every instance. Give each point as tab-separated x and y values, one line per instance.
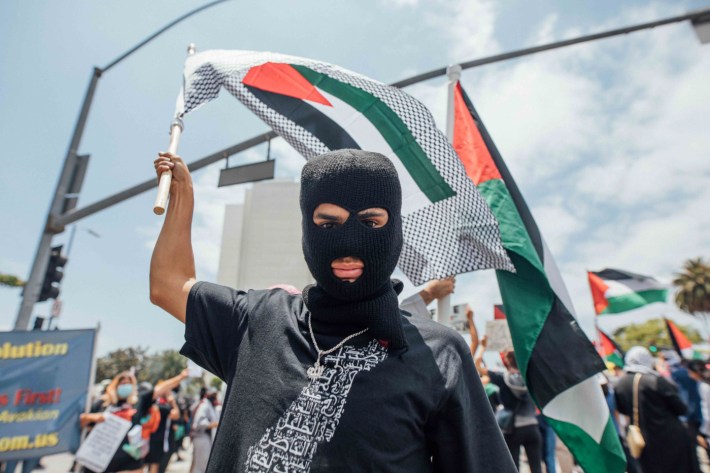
123	399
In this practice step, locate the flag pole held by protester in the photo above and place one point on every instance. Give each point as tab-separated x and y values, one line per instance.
176	127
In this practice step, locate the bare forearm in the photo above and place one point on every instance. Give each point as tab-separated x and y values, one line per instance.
167	385
173	264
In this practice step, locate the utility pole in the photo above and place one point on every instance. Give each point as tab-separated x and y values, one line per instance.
70	180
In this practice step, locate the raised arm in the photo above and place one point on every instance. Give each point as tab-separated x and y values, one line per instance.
437	288
472	330
166	386
172	268
478	357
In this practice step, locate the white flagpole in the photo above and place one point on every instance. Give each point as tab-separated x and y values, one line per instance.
161	200
453	72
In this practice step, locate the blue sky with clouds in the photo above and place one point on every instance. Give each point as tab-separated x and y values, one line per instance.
608	140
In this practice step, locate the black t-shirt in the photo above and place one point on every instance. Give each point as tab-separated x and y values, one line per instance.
421	410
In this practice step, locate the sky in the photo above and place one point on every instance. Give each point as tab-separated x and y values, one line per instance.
608	141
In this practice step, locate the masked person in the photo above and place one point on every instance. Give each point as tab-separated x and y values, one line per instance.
337	379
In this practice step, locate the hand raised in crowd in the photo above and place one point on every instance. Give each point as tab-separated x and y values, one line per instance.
438	288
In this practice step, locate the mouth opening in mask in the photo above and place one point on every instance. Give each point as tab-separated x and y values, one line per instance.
347	269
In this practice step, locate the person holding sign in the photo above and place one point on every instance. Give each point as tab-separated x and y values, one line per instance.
336	378
123	399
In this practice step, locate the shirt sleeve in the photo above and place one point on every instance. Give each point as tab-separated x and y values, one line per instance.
464	434
215	321
415	305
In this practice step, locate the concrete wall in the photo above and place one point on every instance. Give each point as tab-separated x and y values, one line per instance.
261	240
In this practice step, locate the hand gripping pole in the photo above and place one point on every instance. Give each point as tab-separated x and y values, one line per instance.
161	200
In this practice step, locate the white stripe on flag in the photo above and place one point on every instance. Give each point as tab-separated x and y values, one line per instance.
631	286
582	405
555	279
368	137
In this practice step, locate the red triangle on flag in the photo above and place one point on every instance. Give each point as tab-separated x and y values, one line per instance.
283	79
679	336
469	144
598	287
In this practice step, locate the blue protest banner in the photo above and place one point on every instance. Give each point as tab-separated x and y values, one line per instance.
43	390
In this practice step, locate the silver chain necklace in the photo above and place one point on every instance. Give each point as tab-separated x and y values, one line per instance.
315	371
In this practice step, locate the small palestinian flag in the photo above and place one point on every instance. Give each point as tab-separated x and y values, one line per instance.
556	358
609	350
318	107
680	342
498	312
615	291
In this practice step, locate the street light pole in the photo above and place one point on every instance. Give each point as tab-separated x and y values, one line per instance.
69	183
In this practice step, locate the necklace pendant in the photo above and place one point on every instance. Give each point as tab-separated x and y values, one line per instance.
315	371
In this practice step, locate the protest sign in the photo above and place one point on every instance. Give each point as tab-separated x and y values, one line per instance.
104	439
498	335
193	370
43	390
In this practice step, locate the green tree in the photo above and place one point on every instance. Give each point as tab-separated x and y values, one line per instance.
163	365
120	360
10	280
693	289
651	333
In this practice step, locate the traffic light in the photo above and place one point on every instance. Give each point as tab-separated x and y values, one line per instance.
54	275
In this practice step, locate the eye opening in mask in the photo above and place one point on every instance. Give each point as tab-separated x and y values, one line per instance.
329	216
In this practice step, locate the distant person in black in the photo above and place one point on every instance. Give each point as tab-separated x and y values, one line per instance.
514	396
123	399
160	440
668	446
337	379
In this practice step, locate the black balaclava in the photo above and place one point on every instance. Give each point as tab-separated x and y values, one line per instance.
354	180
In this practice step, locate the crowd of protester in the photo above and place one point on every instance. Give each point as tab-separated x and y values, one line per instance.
162	418
672	408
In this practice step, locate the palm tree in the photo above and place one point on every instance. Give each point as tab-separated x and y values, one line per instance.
693	289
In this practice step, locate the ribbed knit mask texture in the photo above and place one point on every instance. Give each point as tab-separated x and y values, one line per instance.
354	180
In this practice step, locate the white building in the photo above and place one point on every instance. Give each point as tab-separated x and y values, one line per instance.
261	240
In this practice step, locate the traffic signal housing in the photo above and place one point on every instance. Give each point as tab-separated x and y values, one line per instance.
54	275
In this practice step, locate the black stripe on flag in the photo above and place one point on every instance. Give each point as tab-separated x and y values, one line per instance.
562	357
619	275
319	125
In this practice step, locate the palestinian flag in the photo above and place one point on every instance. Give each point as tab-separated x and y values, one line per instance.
318	107
498	312
609	350
614	291
680	342
556	358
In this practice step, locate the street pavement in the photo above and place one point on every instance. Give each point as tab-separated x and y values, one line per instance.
62	463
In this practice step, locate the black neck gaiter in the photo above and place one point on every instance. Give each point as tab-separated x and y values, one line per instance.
354	180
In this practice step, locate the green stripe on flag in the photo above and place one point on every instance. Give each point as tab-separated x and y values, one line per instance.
606	456
393	130
527	291
616	359
634	300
